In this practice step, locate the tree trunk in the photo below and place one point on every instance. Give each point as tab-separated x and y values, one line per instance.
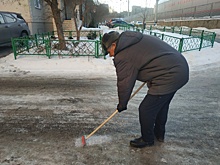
57	18
78	29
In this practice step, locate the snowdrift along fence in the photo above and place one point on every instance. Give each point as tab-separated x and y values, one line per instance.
48	45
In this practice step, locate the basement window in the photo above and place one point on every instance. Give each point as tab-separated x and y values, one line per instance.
37	4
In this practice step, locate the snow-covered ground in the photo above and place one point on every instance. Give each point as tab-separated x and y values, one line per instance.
90	66
42	119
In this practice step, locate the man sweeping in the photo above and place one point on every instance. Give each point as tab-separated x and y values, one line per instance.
148	59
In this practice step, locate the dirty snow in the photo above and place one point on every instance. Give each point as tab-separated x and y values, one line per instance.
43	118
90	66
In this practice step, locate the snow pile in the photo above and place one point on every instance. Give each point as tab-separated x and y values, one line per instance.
90	66
207	57
66	66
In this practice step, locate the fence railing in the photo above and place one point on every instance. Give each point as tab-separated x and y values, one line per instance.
126	27
47	44
185	39
182	39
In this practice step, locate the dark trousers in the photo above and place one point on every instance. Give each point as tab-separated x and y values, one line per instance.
153	112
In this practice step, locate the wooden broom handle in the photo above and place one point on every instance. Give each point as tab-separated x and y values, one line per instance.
116	111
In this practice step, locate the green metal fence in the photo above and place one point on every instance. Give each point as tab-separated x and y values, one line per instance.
185	39
47	44
126	27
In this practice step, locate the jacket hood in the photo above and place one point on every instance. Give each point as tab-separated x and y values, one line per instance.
127	39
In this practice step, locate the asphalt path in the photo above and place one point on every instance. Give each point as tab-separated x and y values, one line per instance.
5	50
42	120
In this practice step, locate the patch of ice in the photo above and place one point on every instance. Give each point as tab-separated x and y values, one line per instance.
93	140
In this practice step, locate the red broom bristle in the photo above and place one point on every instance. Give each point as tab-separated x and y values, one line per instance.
83	141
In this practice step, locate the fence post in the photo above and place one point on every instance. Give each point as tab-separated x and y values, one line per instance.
14	48
27	43
100	37
190	32
48	48
180	45
213	38
36	41
96	49
200	47
181	30
43	38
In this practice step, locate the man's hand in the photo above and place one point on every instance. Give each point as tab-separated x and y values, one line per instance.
121	108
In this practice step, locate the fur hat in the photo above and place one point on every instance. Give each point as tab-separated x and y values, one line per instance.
108	39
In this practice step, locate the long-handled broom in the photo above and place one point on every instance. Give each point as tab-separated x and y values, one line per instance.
84	138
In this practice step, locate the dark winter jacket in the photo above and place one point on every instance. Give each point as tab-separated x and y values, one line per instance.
148	59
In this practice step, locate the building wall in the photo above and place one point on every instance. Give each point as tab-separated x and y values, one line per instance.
181	4
188	8
209	24
19	6
136	9
67	16
37	18
41	18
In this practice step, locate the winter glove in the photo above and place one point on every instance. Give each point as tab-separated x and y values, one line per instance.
121	108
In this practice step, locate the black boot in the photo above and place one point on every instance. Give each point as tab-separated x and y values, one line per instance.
159	138
140	143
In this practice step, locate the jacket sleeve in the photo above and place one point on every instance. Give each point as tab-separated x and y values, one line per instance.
126	78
